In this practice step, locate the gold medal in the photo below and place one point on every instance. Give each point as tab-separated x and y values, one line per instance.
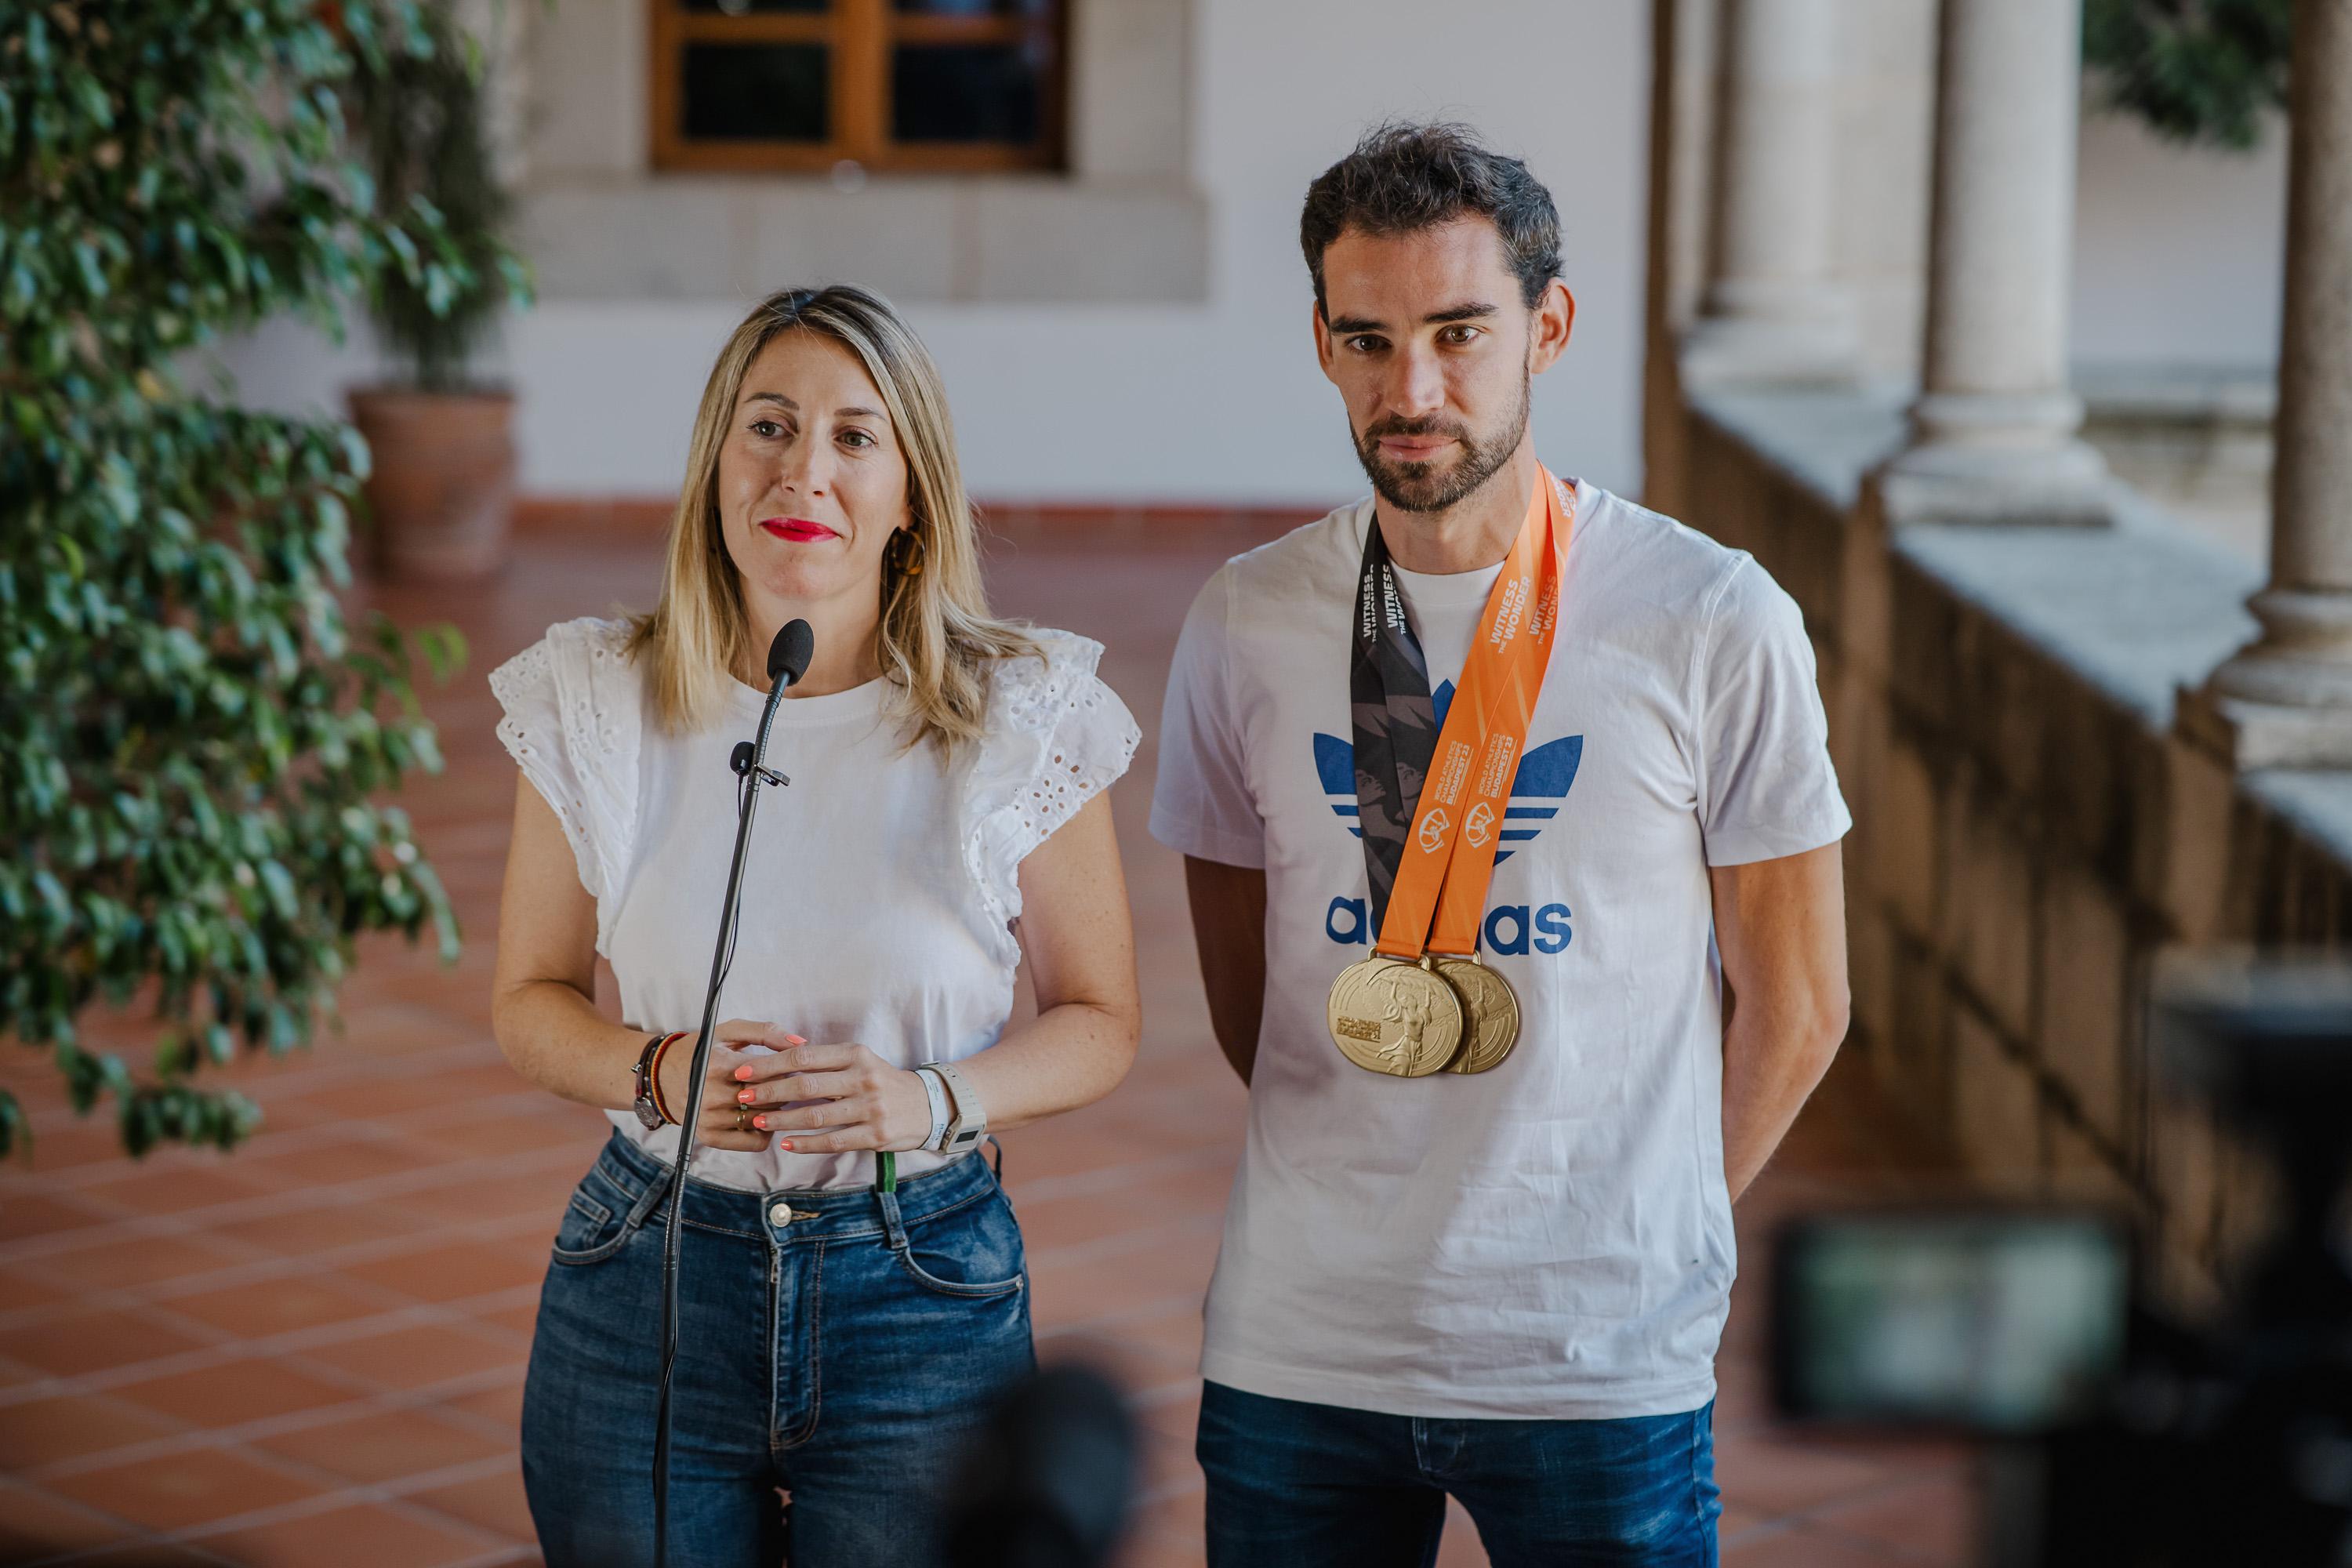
1490	1011
1394	1017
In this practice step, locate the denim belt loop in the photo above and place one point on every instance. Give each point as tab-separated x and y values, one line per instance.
648	1200
893	1228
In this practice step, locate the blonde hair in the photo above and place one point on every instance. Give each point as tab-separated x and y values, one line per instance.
937	638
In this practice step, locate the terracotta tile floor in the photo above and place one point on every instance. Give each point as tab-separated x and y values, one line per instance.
312	1352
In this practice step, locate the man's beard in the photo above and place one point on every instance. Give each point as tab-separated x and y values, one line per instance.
1429	487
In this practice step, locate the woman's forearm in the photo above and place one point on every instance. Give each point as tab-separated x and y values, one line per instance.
1068	1056
554	1036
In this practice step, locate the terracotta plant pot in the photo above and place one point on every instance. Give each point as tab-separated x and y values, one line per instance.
441	494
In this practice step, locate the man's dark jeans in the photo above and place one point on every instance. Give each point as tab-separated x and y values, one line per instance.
1315	1486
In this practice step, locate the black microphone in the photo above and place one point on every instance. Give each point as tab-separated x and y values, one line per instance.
788	660
789	655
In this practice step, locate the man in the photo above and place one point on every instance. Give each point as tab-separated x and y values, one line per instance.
1463	1258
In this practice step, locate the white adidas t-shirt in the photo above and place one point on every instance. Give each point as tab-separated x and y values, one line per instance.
1552	1239
878	886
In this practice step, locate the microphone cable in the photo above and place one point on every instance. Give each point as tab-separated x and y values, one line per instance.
672	1230
788	659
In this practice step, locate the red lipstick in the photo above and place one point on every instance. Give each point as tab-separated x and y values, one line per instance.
799	530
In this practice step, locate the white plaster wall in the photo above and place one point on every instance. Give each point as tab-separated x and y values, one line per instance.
1217	401
2178	253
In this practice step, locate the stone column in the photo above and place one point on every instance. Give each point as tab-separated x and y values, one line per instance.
2285	701
1992	433
1771	312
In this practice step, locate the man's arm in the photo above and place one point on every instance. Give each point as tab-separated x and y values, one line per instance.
1229	929
1780	926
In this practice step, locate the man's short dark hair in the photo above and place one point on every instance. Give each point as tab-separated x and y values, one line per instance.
1404	177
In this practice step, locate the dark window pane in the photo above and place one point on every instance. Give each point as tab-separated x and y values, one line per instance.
755	92
754	8
965	92
1038	10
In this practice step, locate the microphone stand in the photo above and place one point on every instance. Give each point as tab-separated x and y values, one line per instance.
749	765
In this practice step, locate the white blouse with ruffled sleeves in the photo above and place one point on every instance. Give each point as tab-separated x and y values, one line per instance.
880	885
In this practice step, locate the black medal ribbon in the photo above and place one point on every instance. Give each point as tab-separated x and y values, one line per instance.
1394	719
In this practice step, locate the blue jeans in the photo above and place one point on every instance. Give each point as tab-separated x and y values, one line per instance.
842	1355
1315	1486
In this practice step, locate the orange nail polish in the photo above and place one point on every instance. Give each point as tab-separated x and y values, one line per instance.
743	1096
796	1039
786	1145
742	1072
761	1122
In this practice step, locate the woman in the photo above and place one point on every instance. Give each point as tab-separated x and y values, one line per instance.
945	820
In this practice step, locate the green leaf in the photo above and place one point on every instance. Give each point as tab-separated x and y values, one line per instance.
443	647
278	882
93	274
119	487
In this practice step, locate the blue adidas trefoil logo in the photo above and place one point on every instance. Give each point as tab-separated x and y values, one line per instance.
1544	775
1542	782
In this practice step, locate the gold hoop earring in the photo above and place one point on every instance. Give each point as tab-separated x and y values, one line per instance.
906	552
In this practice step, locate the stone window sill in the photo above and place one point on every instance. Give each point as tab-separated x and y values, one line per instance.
994	239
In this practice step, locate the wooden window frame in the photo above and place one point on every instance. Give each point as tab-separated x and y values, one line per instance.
858	35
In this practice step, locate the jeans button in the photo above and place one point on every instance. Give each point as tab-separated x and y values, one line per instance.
779	1214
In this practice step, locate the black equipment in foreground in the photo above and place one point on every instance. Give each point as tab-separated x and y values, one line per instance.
788	660
1047	1481
2121	1436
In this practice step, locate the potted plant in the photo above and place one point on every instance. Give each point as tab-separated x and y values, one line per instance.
198	741
442	483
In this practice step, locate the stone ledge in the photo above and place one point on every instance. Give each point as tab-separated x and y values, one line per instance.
2031	826
2137	610
1826	438
2317	804
989	239
2188	396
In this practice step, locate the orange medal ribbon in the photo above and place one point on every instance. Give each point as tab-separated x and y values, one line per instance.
1457	824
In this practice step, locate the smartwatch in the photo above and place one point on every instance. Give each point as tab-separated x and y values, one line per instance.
971	1123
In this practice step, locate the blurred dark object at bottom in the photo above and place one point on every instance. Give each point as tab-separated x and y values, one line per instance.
2118	1436
1049	1480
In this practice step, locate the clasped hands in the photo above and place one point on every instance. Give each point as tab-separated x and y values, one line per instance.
816	1100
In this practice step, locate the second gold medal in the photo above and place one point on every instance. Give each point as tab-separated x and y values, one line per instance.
1490	1014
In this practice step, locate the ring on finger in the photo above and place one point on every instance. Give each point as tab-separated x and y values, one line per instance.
743	1119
